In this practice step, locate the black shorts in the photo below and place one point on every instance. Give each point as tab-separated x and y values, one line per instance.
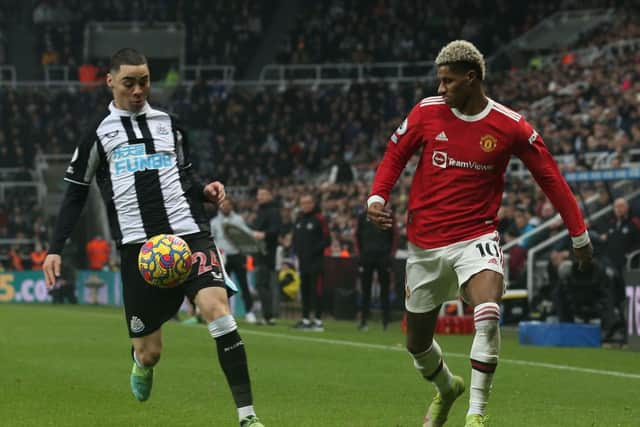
147	307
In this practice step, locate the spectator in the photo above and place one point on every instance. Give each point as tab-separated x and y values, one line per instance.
620	237
267	226
37	256
581	295
98	252
310	238
235	259
289	279
375	250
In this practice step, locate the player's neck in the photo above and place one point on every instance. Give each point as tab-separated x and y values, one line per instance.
474	105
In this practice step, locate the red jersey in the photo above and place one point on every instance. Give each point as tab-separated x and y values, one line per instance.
459	181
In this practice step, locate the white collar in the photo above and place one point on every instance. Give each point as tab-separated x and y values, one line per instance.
146	108
481	115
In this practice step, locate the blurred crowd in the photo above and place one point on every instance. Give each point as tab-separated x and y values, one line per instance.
218	32
363	31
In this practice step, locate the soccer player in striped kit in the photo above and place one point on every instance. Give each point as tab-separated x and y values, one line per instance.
466	140
141	161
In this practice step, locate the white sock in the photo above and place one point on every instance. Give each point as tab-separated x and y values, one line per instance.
245	411
484	355
432	367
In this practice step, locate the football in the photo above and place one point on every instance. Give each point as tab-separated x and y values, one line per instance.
165	260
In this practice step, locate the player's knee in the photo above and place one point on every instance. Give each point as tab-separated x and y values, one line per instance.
213	309
148	356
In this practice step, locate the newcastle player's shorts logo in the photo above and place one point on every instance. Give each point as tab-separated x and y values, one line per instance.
136	325
488	143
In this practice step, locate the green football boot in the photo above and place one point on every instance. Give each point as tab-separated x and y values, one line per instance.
251	421
141	382
441	404
476	420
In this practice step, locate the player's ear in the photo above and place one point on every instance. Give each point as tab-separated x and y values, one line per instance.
109	80
471	76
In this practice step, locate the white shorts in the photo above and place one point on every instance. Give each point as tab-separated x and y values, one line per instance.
435	276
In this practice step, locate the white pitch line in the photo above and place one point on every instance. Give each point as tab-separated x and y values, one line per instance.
392	348
447	354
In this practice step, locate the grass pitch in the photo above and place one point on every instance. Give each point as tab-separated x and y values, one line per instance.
69	366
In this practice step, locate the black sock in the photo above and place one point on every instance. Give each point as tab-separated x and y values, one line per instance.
233	361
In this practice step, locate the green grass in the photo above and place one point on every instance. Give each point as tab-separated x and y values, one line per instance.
69	366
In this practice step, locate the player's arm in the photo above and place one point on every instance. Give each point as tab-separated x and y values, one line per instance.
530	148
79	174
404	142
212	192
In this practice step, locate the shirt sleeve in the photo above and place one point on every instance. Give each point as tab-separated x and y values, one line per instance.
183	155
530	148
74	200
404	142
85	161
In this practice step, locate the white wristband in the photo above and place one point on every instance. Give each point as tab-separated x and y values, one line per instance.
375	199
580	240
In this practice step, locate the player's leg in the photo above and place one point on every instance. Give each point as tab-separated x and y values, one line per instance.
429	282
484	292
210	293
146	308
479	268
146	354
214	307
428	360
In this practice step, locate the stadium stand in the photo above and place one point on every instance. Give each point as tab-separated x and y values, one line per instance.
409	30
219	32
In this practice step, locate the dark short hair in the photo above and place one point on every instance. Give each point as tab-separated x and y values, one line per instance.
462	67
126	56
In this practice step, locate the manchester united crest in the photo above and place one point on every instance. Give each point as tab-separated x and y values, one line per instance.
488	143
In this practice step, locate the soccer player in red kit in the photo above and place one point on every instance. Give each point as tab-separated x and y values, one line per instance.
466	140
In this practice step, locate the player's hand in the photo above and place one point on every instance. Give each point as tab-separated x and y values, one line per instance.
51	269
379	216
214	191
584	256
259	235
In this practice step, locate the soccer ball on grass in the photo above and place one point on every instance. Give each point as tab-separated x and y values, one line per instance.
165	260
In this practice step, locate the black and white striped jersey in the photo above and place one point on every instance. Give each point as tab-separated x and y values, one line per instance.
141	164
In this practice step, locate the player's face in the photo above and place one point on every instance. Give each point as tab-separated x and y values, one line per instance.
130	86
454	87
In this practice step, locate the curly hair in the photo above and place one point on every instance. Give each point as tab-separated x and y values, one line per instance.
462	53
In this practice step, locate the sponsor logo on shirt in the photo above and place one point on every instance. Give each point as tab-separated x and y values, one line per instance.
533	137
133	158
439	159
442	160
488	143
